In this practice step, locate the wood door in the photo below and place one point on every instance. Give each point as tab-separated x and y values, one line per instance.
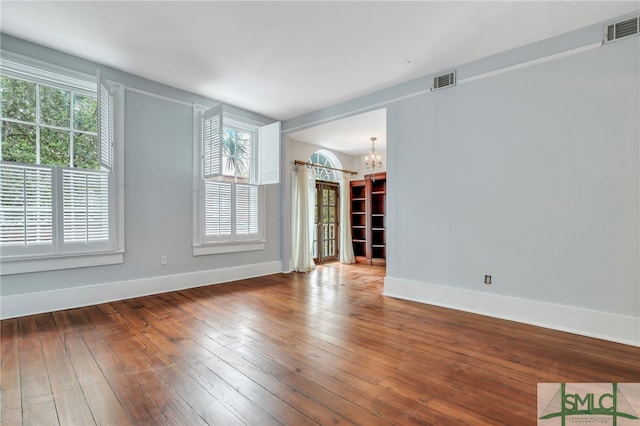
327	213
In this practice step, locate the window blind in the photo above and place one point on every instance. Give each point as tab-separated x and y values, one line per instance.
85	206
217	209
247	209
268	161
105	137
25	205
212	142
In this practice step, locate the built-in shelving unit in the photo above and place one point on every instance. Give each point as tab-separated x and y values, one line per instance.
359	220
368	227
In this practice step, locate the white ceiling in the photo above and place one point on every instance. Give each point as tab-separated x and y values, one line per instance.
350	135
284	59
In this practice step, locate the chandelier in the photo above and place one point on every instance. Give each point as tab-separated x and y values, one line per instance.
372	160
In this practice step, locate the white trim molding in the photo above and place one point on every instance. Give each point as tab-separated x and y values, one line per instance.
19	305
601	325
218	248
52	263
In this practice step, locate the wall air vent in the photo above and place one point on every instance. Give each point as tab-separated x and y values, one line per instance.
622	29
444	80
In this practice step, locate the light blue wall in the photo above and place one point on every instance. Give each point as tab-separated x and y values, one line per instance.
530	176
158	195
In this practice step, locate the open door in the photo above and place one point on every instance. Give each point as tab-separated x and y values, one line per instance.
327	213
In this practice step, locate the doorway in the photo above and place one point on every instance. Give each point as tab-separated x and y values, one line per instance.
325	238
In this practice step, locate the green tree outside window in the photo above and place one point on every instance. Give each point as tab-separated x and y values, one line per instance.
64	134
236	153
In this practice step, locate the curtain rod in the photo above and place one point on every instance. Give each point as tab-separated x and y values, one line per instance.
306	163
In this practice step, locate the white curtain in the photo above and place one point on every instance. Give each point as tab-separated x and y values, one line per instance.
346	248
303	203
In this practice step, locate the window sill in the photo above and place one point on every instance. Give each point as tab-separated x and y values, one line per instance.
234	247
24	265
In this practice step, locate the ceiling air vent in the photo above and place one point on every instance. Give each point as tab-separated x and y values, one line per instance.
444	80
622	29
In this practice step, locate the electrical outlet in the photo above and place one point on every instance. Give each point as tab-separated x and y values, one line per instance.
487	279
163	260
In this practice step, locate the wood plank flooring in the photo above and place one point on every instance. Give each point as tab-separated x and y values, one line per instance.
295	349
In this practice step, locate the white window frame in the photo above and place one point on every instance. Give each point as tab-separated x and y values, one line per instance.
265	169
73	255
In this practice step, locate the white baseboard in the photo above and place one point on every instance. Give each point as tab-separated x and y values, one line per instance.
19	305
601	325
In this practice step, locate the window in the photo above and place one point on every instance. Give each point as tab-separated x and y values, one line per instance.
59	183
234	158
324	158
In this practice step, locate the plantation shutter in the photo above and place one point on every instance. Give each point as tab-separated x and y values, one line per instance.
105	125
246	209
26	203
212	138
217	209
85	201
267	170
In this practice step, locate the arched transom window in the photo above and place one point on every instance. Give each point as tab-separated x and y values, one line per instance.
325	158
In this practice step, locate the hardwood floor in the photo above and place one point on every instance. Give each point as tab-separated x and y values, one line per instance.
296	349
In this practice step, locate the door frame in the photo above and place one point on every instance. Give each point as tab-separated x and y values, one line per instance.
320	237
